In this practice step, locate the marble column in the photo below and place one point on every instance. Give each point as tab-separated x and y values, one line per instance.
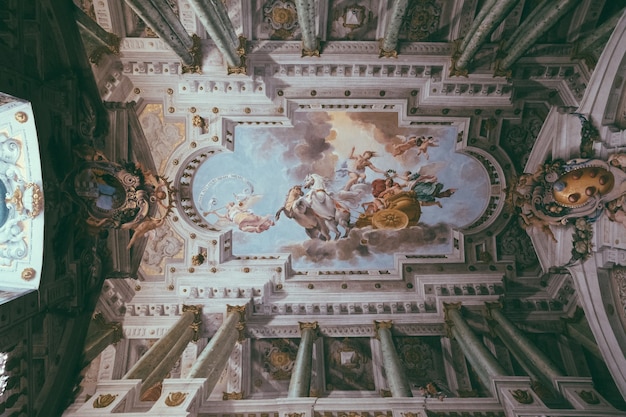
158	14
587	44
524	350
164	367
494	16
214	357
396	378
487	6
483	362
389	43
214	17
524	40
306	20
582	334
99	336
107	43
184	330
300	383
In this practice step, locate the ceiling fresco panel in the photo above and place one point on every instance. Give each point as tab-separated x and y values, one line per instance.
342	189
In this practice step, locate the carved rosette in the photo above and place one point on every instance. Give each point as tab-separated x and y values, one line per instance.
281	18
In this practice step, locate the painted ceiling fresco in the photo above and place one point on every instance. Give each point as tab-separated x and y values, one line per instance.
342	189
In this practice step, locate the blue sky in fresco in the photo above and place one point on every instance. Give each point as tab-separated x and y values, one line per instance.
273	159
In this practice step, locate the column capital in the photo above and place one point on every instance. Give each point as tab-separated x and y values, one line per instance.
237	309
241	322
310	325
451	306
197	319
382	53
115	327
232	396
196	57
311	52
492	305
382	324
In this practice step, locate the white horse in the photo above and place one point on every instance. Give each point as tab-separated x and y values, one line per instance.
296	207
333	213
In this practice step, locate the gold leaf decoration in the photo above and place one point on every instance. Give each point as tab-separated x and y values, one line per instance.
174	399
104	400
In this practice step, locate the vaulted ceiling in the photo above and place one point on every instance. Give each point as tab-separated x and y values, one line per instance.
100	76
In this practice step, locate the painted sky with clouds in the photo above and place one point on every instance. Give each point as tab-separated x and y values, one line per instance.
273	159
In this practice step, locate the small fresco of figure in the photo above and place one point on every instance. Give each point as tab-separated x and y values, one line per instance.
422	143
244	218
427	188
357	165
382	189
431	390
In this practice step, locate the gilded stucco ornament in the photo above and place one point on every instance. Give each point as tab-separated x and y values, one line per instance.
23	201
589	397
522	396
121	196
575	192
104	400
174	399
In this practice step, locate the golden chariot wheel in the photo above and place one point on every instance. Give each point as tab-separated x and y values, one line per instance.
390	219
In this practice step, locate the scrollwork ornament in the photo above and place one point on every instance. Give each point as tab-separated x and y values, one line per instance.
104	400
589	397
522	396
174	399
